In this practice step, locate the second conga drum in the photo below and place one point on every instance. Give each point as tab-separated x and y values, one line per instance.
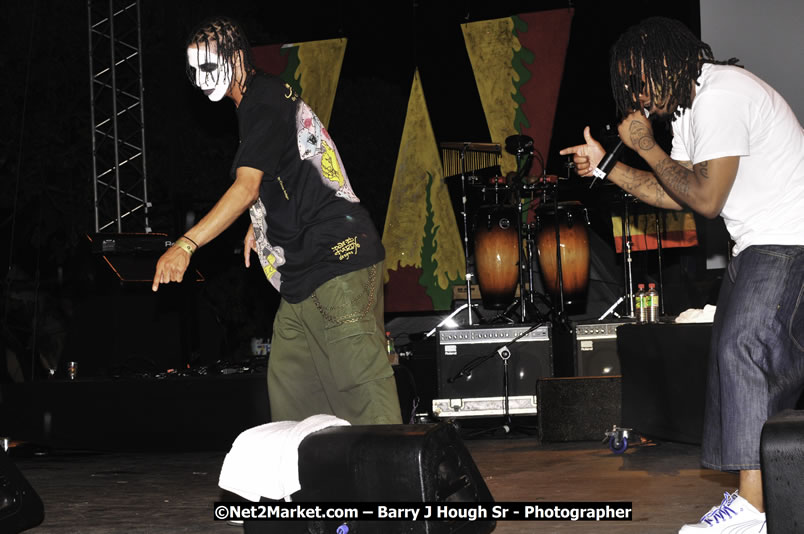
574	238
497	255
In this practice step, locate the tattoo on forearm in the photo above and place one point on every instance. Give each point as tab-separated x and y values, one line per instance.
674	176
703	169
641	136
643	182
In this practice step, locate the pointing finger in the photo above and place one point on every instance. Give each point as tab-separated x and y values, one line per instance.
571	150
157	279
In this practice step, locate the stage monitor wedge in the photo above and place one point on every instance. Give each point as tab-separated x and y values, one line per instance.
426	463
782	462
20	506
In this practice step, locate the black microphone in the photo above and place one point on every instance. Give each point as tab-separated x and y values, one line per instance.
607	163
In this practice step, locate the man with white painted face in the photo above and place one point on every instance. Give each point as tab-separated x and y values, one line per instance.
315	242
737	152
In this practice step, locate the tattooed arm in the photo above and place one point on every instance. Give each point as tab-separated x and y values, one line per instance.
642	184
703	187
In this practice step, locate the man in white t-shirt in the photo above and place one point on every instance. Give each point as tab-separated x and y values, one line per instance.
738	152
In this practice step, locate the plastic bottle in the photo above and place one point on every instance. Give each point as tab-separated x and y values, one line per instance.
640	304
652	303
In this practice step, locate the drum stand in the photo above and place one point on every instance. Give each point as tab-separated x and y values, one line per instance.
526	258
528	312
558	317
561	316
468	306
522	148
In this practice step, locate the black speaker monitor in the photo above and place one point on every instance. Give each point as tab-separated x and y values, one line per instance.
20	506
386	463
782	462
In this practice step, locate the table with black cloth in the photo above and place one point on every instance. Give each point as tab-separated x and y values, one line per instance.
663	369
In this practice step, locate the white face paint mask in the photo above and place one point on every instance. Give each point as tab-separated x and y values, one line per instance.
212	77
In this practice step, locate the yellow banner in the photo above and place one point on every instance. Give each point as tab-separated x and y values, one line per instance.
420	228
318	72
491	45
518	63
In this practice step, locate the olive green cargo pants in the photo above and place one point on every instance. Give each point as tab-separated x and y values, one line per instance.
328	354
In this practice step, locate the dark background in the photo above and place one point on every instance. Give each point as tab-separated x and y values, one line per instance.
56	292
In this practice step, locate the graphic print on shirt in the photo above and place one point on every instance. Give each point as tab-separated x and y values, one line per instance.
316	146
346	248
271	258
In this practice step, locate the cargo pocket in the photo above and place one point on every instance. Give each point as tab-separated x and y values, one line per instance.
355	345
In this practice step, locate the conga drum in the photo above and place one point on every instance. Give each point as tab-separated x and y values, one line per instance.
572	222
497	254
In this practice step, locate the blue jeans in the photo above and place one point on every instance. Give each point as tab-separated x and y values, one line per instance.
756	363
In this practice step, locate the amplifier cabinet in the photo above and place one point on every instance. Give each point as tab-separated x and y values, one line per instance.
596	349
484	406
578	408
470	360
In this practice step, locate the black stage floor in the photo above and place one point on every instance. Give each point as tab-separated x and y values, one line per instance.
144	455
164	492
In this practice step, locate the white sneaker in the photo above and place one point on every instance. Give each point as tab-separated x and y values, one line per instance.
735	515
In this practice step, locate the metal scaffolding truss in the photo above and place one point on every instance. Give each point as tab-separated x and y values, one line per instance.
118	118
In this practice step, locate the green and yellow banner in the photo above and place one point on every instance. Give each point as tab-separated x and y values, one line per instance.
312	68
518	63
424	255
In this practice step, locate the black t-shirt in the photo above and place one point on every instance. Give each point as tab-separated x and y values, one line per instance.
309	224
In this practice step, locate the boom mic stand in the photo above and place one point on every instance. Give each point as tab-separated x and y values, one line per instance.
505	354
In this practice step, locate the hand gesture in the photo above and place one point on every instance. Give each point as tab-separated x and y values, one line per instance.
587	156
171	265
249	244
636	131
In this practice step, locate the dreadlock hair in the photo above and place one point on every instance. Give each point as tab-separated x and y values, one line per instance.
670	57
228	38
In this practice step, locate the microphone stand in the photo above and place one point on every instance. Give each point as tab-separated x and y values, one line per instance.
468	277
505	354
628	283
659	254
601	171
629	280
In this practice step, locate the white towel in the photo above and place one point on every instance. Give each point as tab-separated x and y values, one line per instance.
264	460
706	315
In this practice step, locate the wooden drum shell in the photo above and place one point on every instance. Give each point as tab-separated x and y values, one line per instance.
497	254
574	238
